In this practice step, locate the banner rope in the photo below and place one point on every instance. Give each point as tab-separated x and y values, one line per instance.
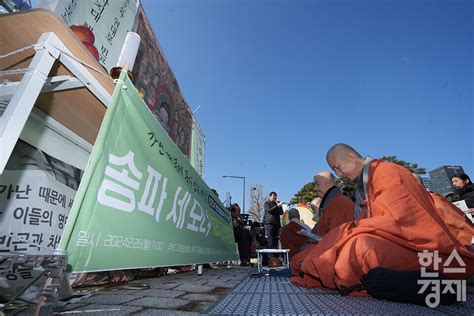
18	51
59	49
84	63
15	71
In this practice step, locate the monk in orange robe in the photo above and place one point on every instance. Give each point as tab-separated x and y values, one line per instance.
336	209
398	220
290	237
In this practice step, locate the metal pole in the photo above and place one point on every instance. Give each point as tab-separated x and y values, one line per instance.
244	195
243	192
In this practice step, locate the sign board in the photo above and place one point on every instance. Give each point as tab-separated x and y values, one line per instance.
140	203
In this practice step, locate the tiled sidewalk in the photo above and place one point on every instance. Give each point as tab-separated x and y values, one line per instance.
176	294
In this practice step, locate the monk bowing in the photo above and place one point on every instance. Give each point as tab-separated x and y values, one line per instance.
336	208
397	223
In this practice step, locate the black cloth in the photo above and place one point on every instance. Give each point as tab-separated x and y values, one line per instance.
272	233
260	238
327	198
466	193
272	213
402	286
262	243
243	238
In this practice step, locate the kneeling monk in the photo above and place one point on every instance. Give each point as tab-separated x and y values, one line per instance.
336	209
293	234
398	220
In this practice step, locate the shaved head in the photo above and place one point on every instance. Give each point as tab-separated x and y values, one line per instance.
345	161
293	213
328	176
340	151
323	181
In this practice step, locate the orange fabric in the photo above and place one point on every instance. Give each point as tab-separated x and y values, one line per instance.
290	239
339	210
402	222
458	224
295	262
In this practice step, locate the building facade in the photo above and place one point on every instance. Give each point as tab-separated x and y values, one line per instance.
427	183
441	178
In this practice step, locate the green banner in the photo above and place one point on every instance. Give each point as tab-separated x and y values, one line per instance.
140	203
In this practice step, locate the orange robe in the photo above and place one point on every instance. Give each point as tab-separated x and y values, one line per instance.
402	221
290	239
458	223
297	259
339	210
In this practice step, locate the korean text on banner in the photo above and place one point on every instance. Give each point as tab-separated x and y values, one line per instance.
140	203
101	25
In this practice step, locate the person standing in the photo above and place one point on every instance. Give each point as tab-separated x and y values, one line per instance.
271	220
241	235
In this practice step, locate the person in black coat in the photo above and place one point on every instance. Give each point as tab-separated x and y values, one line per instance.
241	235
271	219
464	189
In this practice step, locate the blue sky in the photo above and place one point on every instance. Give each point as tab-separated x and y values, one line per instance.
279	82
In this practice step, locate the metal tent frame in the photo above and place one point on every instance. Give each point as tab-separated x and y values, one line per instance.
23	94
20	112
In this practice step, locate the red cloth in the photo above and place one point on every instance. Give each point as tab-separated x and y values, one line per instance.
290	239
403	221
340	210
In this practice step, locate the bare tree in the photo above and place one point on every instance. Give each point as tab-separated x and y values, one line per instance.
257	199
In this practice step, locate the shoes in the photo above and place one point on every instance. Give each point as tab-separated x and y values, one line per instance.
245	263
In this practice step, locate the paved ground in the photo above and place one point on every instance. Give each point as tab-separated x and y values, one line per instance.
190	294
175	294
277	296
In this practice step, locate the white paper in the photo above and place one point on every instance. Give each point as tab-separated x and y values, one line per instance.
463	207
